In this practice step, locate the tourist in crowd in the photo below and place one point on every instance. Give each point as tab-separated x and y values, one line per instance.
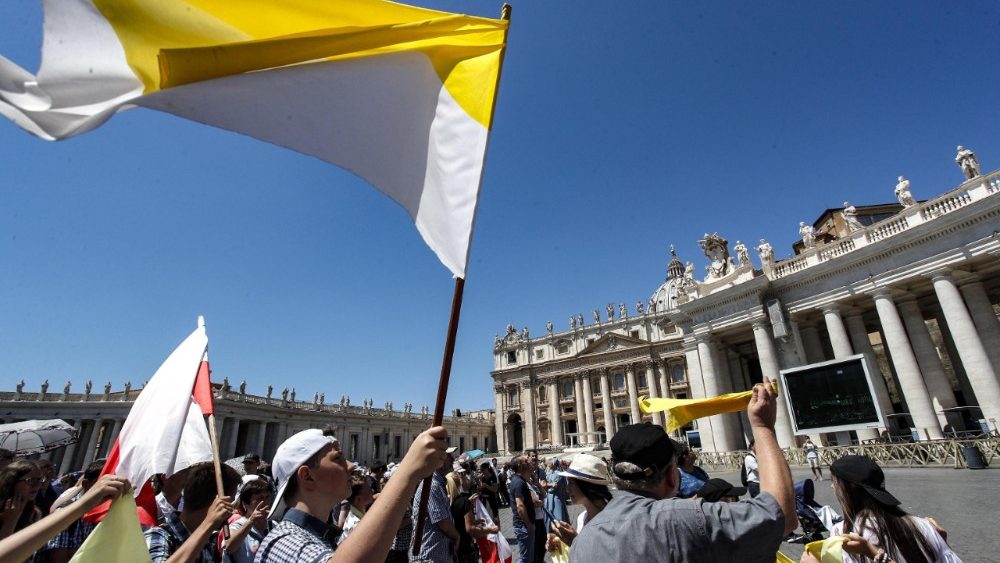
20	482
6	457
399	551
440	537
359	500
692	476
503	482
660	527
720	490
22	544
537	486
251	464
189	534
751	471
463	514
877	528
50	490
249	524
62	547
812	456
170	498
522	508
555	497
489	487
587	483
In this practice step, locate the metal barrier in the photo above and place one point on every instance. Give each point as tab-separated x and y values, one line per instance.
930	453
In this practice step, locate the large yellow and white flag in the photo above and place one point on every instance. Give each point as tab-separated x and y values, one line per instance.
401	96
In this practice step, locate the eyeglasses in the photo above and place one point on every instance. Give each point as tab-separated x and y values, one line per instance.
33	480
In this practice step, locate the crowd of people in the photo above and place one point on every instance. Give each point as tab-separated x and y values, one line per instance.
649	501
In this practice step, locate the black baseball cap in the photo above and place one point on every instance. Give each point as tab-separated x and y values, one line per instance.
645	445
714	489
864	472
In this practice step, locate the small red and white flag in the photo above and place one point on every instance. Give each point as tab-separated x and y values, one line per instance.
165	431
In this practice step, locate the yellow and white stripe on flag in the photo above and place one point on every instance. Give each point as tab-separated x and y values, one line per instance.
117	539
399	95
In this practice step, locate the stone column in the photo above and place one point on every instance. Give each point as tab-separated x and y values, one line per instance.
664	377
609	406
651	383
697	383
555	422
230	439
938	386
67	461
528	406
911	381
260	437
981	309
588	407
768	357
581	420
839	340
723	434
498	420
116	429
811	342
970	348
89	453
633	394
863	345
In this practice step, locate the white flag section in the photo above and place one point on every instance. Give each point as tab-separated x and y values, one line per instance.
165	430
401	96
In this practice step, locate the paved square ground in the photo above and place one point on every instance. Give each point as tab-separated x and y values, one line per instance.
961	500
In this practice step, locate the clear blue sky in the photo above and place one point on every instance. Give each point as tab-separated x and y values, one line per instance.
620	129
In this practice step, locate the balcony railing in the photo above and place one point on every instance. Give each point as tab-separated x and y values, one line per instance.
908	218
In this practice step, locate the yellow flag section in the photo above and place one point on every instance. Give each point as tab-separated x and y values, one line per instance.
399	95
830	550
682	411
117	539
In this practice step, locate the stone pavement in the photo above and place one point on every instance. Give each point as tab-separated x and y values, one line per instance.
961	500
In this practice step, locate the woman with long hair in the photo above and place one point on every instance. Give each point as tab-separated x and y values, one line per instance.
555	500
587	482
877	529
19	485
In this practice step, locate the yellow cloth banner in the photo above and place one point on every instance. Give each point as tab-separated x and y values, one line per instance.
682	411
782	558
561	554
830	550
117	539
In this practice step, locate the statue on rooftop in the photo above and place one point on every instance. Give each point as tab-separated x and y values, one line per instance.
638	307
850	215
689	270
107	389
622	311
20	387
322	398
293	394
243	387
903	193
524	334
808	234
572	322
66	388
766	252
549	327
128	388
967	161
597	316
742	256
88	386
225	385
610	308
579	320
45	386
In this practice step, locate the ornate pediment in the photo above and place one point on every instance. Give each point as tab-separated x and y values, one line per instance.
612	342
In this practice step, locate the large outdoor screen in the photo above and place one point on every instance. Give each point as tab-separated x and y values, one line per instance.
831	396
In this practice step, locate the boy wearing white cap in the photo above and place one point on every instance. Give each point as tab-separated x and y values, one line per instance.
313	476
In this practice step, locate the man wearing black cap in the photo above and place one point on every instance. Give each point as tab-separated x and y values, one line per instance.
644	523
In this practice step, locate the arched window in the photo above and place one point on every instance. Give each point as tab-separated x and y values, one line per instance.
677	373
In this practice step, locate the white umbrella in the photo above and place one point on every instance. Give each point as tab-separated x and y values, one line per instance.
36	436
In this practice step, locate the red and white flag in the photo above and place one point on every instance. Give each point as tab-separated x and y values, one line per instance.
165	431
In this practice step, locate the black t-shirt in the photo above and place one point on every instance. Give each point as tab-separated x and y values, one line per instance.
459	508
519	490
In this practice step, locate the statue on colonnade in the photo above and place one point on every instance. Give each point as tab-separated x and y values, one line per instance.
742	256
903	193
850	215
967	161
808	234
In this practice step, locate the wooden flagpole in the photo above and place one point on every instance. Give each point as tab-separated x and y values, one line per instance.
218	468
449	345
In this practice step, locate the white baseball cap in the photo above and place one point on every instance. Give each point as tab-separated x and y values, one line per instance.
292	454
451	450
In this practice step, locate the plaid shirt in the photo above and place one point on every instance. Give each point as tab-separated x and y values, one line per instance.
435	545
404	534
162	541
72	537
299	536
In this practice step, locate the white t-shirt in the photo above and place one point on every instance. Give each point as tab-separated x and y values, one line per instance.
940	551
580	521
753	472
